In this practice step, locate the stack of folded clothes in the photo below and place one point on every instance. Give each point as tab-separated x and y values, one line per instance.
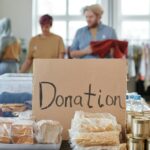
14	102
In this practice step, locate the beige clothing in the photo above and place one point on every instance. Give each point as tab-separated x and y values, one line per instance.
12	51
46	47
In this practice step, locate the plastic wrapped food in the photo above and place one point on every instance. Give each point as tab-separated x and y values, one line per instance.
22	132
96	148
5	130
95	139
48	132
13	107
94	122
94	130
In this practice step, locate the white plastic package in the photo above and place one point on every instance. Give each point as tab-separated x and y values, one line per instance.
48	132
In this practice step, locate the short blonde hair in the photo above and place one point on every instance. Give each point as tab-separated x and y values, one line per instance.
96	9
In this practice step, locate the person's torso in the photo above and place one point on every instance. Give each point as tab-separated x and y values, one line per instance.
45	47
85	37
12	51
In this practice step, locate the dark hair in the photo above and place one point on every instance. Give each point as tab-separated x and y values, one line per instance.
46	19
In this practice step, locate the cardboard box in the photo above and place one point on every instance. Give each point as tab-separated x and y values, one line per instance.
61	87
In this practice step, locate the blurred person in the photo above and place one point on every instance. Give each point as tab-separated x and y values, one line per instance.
46	45
10	48
94	31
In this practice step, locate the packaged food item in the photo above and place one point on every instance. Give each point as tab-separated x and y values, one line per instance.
136	144
96	139
94	122
130	116
26	115
123	146
94	130
141	127
5	130
13	107
22	132
48	132
96	148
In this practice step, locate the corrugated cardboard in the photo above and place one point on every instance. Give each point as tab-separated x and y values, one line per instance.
62	87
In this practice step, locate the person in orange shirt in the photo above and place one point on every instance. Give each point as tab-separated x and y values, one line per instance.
10	48
46	45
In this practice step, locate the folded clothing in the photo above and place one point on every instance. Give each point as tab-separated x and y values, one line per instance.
103	48
48	132
14	98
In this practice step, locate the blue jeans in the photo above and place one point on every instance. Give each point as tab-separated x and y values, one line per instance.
10	66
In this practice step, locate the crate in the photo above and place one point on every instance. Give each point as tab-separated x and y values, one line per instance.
30	147
16	83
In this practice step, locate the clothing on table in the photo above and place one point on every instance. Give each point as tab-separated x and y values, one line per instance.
103	48
46	47
14	98
83	38
14	101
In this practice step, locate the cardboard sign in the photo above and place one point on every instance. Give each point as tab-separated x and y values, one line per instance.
62	87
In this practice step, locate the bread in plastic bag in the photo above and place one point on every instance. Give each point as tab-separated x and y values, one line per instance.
22	132
86	139
94	122
48	132
5	130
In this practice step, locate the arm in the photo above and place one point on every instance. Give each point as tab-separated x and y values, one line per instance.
80	53
62	49
61	55
26	65
29	60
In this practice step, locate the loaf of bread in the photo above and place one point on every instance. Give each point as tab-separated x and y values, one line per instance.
5	130
48	132
94	129
22	132
123	147
97	139
94	122
23	139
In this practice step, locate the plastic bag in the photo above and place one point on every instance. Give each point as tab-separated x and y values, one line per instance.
48	132
94	122
5	130
22	132
95	139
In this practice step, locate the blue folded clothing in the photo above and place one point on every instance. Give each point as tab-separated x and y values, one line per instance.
15	98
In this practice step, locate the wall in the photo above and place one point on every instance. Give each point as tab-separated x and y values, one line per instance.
20	13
